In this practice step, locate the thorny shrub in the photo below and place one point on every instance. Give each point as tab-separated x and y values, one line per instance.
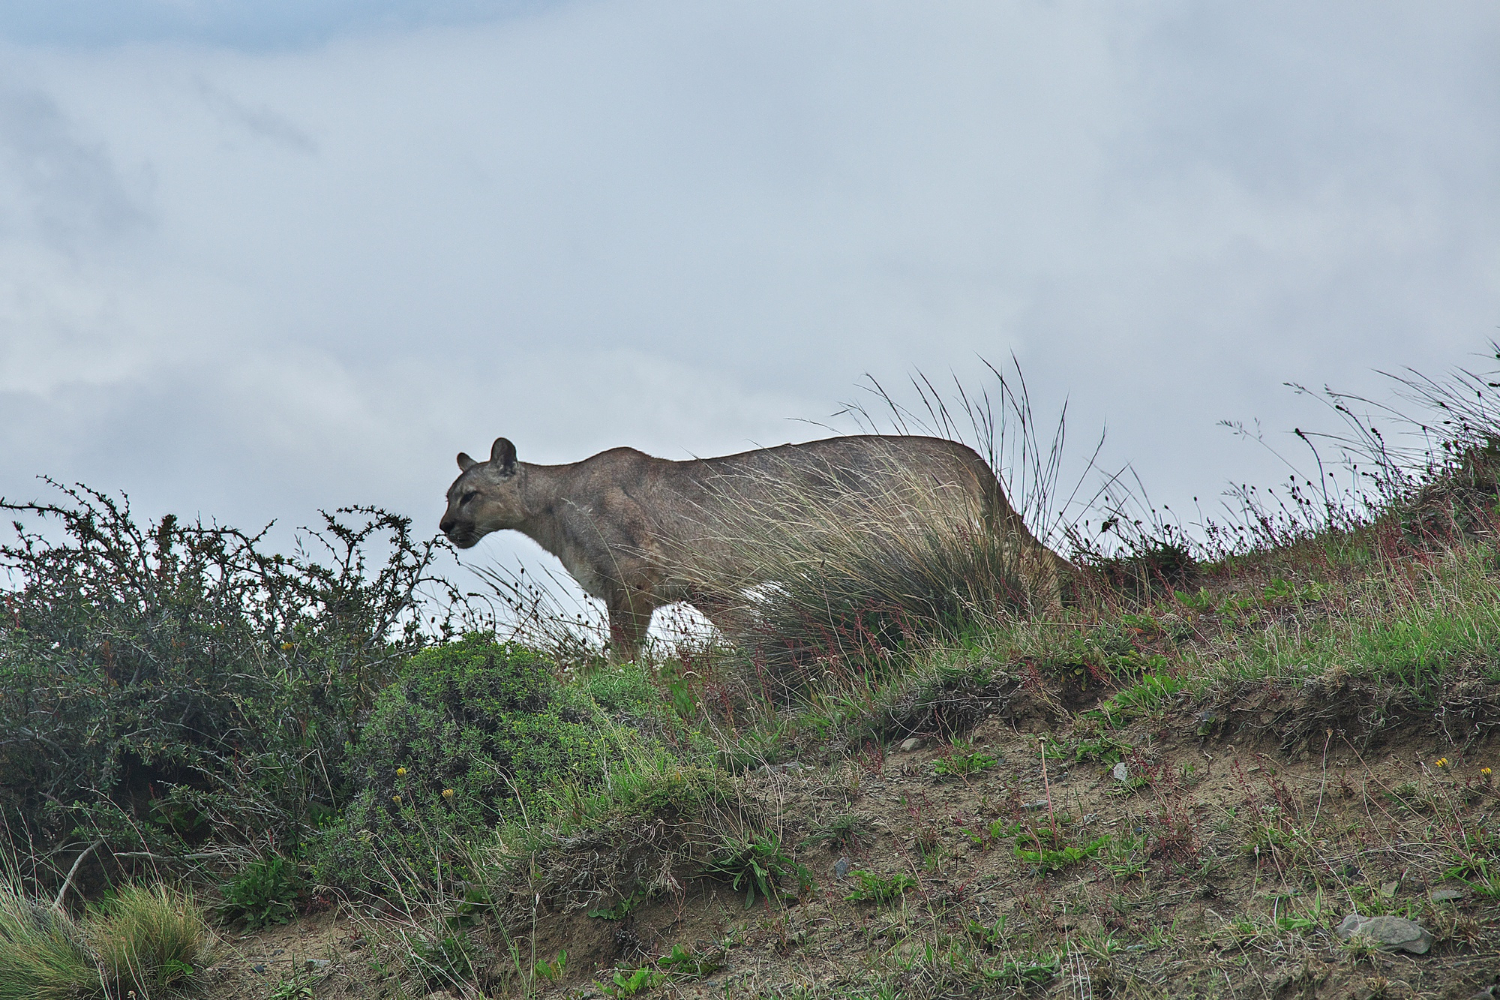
169	683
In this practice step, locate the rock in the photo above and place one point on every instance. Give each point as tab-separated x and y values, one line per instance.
1034	806
910	743
841	868
258	969
1389	933
1445	895
1121	772
315	964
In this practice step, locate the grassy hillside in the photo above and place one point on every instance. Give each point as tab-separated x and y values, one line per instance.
231	774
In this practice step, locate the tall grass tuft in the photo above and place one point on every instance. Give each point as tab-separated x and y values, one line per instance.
149	939
42	952
146	941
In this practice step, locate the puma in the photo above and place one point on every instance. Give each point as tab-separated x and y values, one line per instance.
639	532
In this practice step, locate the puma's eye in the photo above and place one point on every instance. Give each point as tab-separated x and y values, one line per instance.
470	495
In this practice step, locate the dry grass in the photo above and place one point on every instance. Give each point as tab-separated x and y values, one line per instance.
818	572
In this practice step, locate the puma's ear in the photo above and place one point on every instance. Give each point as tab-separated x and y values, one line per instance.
465	463
503	457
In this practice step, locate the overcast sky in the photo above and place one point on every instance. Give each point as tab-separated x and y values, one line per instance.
261	258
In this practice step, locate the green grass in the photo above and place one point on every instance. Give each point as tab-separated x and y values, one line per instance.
1412	636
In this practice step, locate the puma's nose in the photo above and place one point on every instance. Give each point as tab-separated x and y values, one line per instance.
446	525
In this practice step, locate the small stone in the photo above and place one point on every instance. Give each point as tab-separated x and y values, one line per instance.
258	969
910	743
1121	772
1034	806
315	964
1389	933
841	868
1446	895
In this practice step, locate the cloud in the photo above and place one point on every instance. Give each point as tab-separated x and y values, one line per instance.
259	26
255	279
56	188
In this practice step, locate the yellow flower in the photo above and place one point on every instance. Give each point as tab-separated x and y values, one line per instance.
448	794
400	772
1442	762
396	799
1484	771
286	645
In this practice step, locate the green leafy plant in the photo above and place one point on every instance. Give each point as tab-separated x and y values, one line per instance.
621	909
845	831
629	982
1201	601
757	863
555	969
962	764
1475	854
685	965
471	733
1126	857
990	935
985	837
1029	972
444	959
299	987
263	892
164	682
879	889
1046	850
1152	692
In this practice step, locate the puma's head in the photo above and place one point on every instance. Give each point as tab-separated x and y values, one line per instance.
484	498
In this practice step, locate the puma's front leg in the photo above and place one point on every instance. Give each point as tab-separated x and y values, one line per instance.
629	618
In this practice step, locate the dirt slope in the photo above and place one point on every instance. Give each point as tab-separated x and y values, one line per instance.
1220	865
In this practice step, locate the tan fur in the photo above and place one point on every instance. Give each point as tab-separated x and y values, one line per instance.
637	532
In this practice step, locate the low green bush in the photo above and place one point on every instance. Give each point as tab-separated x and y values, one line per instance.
471	733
